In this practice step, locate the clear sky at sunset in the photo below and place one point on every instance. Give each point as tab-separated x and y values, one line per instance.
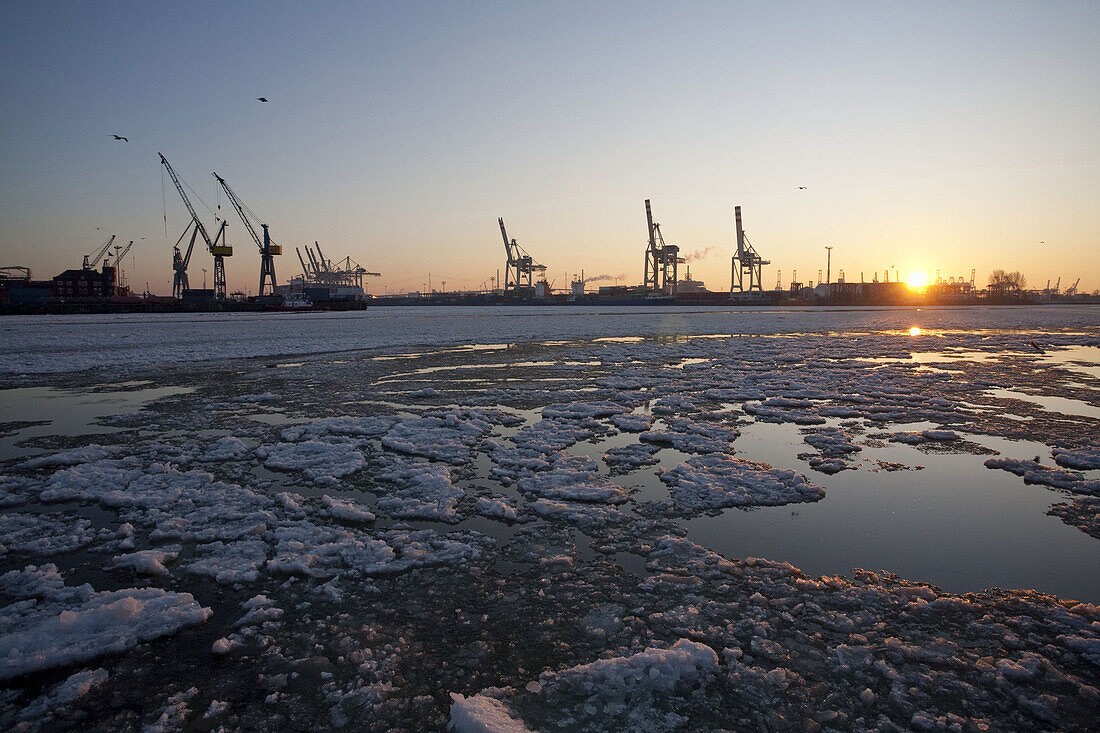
949	135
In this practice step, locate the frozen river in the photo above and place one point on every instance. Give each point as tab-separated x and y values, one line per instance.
65	343
564	519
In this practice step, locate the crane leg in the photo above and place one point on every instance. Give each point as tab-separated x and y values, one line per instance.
267	273
219	277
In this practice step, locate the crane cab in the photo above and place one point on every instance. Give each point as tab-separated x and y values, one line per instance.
222	250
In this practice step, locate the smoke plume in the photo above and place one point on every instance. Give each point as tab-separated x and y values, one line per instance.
697	255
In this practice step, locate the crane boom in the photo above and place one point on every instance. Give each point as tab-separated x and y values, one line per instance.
187	202
267	247
89	264
240	210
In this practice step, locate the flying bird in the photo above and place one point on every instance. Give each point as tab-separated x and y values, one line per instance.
120	137
801	188
262	99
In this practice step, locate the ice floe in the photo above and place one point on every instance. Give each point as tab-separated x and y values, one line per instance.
421	489
717	481
107	622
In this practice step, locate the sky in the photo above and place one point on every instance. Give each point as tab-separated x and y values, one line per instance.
928	135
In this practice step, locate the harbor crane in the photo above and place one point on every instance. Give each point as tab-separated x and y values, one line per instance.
661	258
319	271
1072	289
517	274
268	249
90	262
219	251
747	261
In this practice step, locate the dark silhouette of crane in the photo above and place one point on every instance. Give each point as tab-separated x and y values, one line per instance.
90	262
661	259
219	251
268	249
747	262
520	265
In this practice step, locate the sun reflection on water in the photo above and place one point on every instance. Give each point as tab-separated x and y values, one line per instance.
915	331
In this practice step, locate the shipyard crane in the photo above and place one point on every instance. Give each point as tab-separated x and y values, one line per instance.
219	251
1072	289
520	266
268	249
90	263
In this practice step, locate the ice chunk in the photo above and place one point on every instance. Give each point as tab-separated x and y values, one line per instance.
832	441
229	563
224	449
689	436
345	510
107	622
43	534
76	686
447	436
632	422
148	562
829	465
1035	473
495	507
574	478
321	462
630	457
1083	458
71	457
916	438
582	410
482	714
369	427
716	481
423	490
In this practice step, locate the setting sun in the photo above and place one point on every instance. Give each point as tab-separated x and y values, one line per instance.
917	280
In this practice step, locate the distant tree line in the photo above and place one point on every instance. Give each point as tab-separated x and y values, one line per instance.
1005	281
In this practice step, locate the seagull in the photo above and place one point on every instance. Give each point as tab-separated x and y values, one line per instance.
801	188
120	137
262	99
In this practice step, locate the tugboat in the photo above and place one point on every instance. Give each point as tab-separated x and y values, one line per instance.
297	301
292	303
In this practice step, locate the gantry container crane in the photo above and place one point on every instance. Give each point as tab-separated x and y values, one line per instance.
268	249
520	266
748	262
219	251
661	259
89	262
